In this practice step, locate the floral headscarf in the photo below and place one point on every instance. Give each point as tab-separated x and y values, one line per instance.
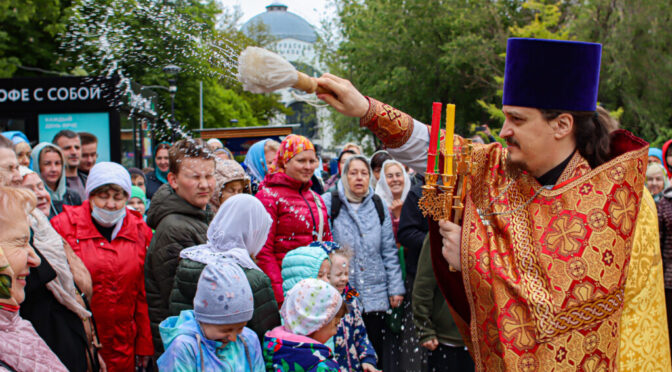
226	171
5	277
289	148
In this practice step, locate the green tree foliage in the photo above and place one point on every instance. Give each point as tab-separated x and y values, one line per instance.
145	35
185	33
636	61
411	53
29	35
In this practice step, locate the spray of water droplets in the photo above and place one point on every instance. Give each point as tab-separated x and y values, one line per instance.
108	38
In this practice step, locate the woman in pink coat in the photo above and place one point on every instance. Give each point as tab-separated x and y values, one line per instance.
21	348
299	215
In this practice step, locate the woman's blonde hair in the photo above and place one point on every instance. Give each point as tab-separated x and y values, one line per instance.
344	251
15	202
271	145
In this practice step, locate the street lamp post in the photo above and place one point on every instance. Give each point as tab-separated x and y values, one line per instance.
172	70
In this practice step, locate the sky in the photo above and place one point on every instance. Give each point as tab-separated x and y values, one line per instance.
311	10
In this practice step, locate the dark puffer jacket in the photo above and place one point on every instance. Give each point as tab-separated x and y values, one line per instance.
178	225
266	315
665	226
153	184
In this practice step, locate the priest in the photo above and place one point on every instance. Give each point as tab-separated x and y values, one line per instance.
549	221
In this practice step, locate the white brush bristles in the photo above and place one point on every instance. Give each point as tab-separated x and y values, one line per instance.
262	71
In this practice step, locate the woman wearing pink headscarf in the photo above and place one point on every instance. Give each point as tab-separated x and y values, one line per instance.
299	215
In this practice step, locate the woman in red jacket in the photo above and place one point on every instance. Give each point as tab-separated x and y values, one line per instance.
112	241
299	215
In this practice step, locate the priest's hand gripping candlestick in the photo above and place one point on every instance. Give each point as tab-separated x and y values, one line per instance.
445	201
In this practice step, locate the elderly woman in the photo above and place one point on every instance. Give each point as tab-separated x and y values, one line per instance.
298	213
230	180
393	187
53	304
49	164
21	348
362	221
656	180
23	150
112	241
32	181
238	232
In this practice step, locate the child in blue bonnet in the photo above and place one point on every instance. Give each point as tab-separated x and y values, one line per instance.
352	348
213	336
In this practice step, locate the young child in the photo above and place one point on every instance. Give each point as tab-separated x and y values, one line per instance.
138	178
138	200
311	313
213	336
352	348
303	263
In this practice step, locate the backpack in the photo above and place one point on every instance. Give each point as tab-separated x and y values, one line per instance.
336	206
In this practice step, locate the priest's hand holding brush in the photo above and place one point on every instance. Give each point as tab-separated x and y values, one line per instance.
262	71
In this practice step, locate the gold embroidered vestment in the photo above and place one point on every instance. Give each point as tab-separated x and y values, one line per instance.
544	276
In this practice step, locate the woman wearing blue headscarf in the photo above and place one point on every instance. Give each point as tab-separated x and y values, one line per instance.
162	162
258	158
655	155
21	147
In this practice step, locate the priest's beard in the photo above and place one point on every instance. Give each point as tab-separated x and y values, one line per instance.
513	169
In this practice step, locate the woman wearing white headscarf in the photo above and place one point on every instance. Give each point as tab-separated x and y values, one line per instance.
237	233
393	186
112	242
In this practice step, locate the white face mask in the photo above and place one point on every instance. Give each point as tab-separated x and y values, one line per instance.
108	218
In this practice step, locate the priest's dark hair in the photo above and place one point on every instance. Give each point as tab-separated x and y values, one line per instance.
591	132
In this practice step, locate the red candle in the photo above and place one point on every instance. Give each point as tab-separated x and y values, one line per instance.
434	137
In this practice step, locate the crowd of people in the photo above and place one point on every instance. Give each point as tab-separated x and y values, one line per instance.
224	264
205	263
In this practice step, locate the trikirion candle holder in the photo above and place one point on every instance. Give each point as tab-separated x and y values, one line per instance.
445	201
430	197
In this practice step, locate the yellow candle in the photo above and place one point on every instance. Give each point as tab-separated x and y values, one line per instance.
448	142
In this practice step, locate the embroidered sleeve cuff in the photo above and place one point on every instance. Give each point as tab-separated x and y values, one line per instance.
391	126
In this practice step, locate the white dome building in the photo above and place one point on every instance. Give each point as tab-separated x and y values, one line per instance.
294	39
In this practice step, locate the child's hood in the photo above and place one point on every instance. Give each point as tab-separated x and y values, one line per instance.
290	349
183	324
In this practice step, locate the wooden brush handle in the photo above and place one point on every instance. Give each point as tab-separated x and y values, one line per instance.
309	84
